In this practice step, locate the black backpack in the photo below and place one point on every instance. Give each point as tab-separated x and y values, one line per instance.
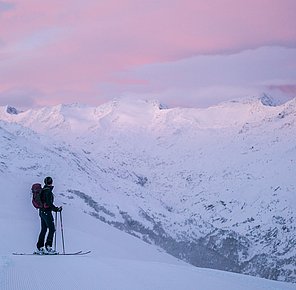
37	195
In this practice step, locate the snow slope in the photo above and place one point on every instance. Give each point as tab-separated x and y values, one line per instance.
214	187
117	261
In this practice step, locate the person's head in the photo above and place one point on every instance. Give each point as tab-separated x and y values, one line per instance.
48	180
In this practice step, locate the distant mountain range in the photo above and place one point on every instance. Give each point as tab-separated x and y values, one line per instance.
214	187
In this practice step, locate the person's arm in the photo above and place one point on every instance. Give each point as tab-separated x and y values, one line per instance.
49	200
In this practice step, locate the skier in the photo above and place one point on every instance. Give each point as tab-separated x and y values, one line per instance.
47	222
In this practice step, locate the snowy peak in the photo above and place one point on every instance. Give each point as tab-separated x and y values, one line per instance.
231	114
268	100
11	110
8	110
128	112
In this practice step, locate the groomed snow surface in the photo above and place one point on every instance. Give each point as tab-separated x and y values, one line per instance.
117	260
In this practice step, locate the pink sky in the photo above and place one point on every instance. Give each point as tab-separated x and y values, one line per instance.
92	51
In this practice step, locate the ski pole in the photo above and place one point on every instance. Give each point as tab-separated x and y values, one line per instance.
62	230
55	232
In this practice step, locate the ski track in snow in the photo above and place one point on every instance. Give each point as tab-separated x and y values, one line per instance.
63	273
4	265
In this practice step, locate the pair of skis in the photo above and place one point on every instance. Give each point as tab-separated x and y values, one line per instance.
79	253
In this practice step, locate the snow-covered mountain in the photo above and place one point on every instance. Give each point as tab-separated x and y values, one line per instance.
214	187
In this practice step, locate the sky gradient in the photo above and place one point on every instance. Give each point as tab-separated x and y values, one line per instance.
182	52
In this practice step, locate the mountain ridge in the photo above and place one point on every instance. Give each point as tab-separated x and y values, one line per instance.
129	112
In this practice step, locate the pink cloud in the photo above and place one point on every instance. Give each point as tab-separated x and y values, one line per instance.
72	46
157	29
286	89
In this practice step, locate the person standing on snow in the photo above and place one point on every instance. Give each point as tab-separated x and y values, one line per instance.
47	221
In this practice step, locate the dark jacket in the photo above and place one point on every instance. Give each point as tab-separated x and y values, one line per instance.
48	199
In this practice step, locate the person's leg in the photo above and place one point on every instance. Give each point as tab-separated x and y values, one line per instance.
42	234
50	224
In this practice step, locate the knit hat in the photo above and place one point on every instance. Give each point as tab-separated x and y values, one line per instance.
48	180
